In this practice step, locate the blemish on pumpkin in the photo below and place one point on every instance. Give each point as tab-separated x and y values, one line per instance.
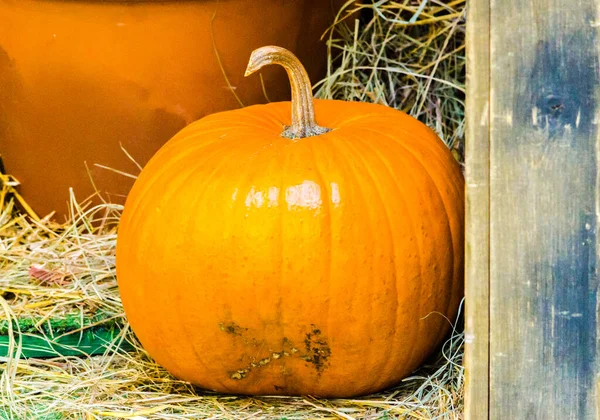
240	374
232	328
317	349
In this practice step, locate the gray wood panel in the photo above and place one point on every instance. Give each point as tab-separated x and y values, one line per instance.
543	209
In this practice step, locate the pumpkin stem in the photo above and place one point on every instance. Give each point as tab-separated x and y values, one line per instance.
303	112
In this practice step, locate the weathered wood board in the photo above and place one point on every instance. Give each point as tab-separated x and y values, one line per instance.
477	211
535	191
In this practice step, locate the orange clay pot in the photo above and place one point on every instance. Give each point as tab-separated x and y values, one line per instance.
80	78
325	259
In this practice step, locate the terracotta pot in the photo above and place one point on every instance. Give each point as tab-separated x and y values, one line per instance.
80	78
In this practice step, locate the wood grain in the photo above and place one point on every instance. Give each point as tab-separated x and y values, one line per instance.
477	212
543	211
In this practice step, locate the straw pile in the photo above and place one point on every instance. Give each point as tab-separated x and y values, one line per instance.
409	55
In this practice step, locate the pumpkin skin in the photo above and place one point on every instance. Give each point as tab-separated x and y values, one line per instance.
250	263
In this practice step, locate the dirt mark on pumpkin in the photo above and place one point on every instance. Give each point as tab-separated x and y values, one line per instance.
232	328
316	350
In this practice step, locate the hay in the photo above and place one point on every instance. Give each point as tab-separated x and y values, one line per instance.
407	54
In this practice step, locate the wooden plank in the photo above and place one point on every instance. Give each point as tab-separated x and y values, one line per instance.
477	212
543	209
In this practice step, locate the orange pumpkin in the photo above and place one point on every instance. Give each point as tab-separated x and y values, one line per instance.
324	260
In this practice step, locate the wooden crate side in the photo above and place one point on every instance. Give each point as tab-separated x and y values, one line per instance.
543	209
477	212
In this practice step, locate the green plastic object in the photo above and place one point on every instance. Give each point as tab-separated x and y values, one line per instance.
70	335
85	343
